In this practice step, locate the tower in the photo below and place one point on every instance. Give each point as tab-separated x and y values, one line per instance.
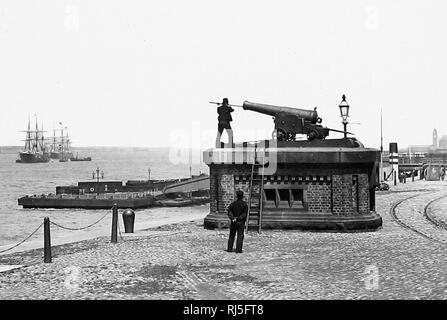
435	139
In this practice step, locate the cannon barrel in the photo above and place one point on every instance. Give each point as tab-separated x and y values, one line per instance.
309	115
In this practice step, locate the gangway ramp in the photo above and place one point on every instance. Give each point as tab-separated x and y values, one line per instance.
200	183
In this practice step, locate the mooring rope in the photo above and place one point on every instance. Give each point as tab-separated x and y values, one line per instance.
82	228
18	244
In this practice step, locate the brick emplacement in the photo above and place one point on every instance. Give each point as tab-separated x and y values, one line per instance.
323	189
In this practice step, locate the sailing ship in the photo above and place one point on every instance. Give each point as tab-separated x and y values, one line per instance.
35	149
61	146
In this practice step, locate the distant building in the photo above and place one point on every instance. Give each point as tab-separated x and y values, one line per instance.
435	139
434	153
443	142
436	145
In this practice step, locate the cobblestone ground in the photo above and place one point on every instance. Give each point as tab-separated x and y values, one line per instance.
185	261
438	210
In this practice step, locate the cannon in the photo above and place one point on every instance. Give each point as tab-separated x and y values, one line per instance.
292	121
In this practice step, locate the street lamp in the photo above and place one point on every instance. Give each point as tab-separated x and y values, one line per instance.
344	112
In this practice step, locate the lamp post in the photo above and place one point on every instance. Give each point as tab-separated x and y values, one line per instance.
344	112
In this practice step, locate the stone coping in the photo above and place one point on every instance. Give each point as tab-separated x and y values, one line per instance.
326	222
319	155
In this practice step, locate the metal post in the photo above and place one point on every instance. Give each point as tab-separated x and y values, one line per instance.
412	175
114	238
395	178
46	240
344	127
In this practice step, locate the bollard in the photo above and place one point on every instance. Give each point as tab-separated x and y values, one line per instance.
114	238
129	220
46	240
412	176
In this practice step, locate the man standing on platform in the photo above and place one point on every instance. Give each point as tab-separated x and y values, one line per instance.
224	111
237	212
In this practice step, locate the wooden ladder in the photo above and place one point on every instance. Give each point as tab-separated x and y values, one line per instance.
255	195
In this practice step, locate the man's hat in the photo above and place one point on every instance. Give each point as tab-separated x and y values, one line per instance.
225	100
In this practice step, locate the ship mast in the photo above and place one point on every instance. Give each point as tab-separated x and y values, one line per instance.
67	140
28	137
42	143
36	137
62	139
54	140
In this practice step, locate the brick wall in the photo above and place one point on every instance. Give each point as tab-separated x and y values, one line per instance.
354	193
363	194
335	192
226	192
214	191
319	197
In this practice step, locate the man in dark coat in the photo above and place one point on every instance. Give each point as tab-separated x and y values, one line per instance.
224	111
237	212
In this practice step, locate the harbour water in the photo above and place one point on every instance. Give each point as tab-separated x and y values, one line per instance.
19	179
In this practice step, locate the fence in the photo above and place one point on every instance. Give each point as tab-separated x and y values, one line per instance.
47	232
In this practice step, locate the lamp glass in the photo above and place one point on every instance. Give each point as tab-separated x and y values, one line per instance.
344	111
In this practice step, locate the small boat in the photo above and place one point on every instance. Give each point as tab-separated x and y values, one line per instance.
176	202
80	159
183	202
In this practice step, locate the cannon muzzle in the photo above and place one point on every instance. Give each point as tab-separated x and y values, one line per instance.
274	111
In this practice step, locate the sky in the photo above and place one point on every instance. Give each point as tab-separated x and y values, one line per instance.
141	73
